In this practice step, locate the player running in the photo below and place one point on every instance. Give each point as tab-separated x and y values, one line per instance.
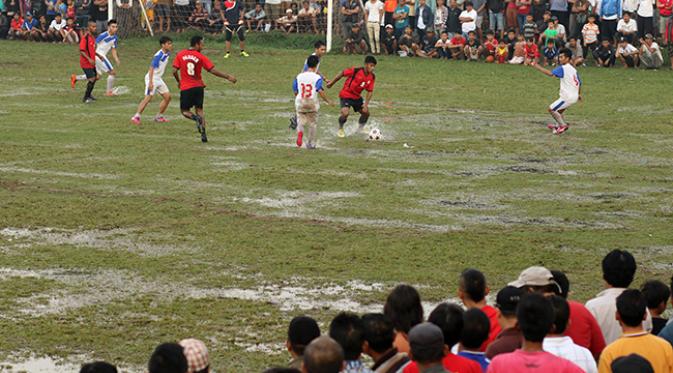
307	86
87	60
188	63
359	79
154	82
105	42
570	91
234	23
319	50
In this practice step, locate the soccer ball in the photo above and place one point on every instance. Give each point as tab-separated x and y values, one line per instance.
490	59
375	134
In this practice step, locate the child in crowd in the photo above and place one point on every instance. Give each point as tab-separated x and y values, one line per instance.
473	47
550	53
519	55
442	46
627	53
531	52
490	45
529	28
510	40
406	43
590	33
456	45
604	54
502	52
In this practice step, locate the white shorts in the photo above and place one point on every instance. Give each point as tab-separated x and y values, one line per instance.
160	87
103	66
561	104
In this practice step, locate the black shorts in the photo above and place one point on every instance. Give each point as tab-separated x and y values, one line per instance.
163	10
229	32
90	73
190	98
355	104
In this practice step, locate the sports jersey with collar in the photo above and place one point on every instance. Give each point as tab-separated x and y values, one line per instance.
159	62
306	87
570	82
105	42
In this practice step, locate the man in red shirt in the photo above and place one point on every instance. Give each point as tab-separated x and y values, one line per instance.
187	71
472	291
87	60
359	79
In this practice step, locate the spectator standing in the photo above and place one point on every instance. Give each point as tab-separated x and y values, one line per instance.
163	12
559	9
468	19
496	18
234	23
529	28
627	28
609	11
323	355
510	14
51	9
403	308
510	337
578	17
453	26
590	32
256	18
427	348
301	332
379	335
348	331
401	18
475	333
472	291
656	293
389	7
522	11
196	354
425	19
441	14
167	358
665	8
480	8
631	312
98	14
645	19
374	12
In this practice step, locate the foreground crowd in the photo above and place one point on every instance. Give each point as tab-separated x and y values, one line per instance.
533	327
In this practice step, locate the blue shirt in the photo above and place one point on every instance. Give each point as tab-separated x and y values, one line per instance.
479	357
402	23
28	25
667	332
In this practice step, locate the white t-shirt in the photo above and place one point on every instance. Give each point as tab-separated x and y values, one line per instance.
469	26
374	10
645	8
57	26
630	27
628	49
570	82
630	6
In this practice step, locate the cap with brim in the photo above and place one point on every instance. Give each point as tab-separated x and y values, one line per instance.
508	299
554	18
535	276
649	36
389	26
426	338
288	11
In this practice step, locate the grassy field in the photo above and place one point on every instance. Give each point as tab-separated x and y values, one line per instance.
115	238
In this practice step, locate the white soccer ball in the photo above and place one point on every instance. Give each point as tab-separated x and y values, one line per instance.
375	134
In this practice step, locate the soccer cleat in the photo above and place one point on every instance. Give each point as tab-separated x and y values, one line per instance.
245	54
110	94
310	146
73	81
300	136
227	55
341	133
135	120
161	119
204	138
560	130
88	100
551	126
293	122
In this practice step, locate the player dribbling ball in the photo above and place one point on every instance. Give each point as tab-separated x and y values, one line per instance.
359	79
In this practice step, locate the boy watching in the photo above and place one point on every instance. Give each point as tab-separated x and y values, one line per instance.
531	52
475	333
656	294
490	45
442	46
590	32
456	46
550	53
472	49
301	332
529	28
627	53
501	53
604	54
472	291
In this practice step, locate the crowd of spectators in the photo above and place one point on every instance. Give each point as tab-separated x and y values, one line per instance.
534	326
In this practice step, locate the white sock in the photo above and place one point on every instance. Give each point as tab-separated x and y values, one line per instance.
110	82
80	77
137	115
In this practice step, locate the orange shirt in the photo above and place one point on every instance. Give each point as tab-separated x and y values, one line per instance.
390	5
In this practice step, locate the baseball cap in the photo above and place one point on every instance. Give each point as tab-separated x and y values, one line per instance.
426	339
29	14
554	18
196	353
649	36
535	276
507	299
288	11
391	26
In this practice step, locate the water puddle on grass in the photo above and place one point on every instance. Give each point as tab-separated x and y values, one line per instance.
58	173
43	364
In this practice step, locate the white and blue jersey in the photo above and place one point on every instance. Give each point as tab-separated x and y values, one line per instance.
306	87
569	91
104	42
159	62
317	68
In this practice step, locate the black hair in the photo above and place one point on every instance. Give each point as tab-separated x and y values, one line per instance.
631	307
656	293
490	32
449	318
530	39
471	33
312	61
164	39
403	308
566	52
476	329
318	44
562	281
112	22
196	39
473	283
57	15
282	370
468	3
98	367
535	316
301	332
167	358
619	267
346	328
561	313
632	363
378	332
591	16
370	59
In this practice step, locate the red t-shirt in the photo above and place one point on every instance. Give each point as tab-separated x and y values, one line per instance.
357	81
584	329
457	40
492	314
666	10
453	363
87	45
16	25
531	51
190	63
491	45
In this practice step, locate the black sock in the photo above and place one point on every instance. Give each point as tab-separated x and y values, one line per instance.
194	116
89	89
342	121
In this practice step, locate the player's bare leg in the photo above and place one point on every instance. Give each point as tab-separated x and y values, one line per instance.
343	118
561	125
364	116
141	107
163	105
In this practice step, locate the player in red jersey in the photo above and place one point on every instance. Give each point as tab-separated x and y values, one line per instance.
187	71
359	79
87	60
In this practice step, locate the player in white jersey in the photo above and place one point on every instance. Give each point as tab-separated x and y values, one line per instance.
307	86
107	42
319	50
569	93
154	82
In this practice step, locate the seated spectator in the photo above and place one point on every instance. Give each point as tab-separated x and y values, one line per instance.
519	54
323	355
406	43
605	57
490	45
355	41
473	48
510	337
307	18
535	316
627	28
651	58
98	367
457	46
389	41
631	364
15	26
256	17
550	53
426	47
301	332
403	308
167	358
577	51
510	39
42	30
196	353
472	287
582	327
449	318
215	21
442	46
199	17
502	52
476	328
71	32
56	31
531	52
619	267
656	294
30	28
631	312
627	54
379	335
427	348
347	330
287	23
563	346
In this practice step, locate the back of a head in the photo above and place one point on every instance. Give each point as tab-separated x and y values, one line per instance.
561	313
323	355
98	367
168	358
632	363
535	316
301	332
403	308
196	39
346	328
378	332
312	61
619	267
562	281
476	327
426	343
655	293
473	284
631	307
449	318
